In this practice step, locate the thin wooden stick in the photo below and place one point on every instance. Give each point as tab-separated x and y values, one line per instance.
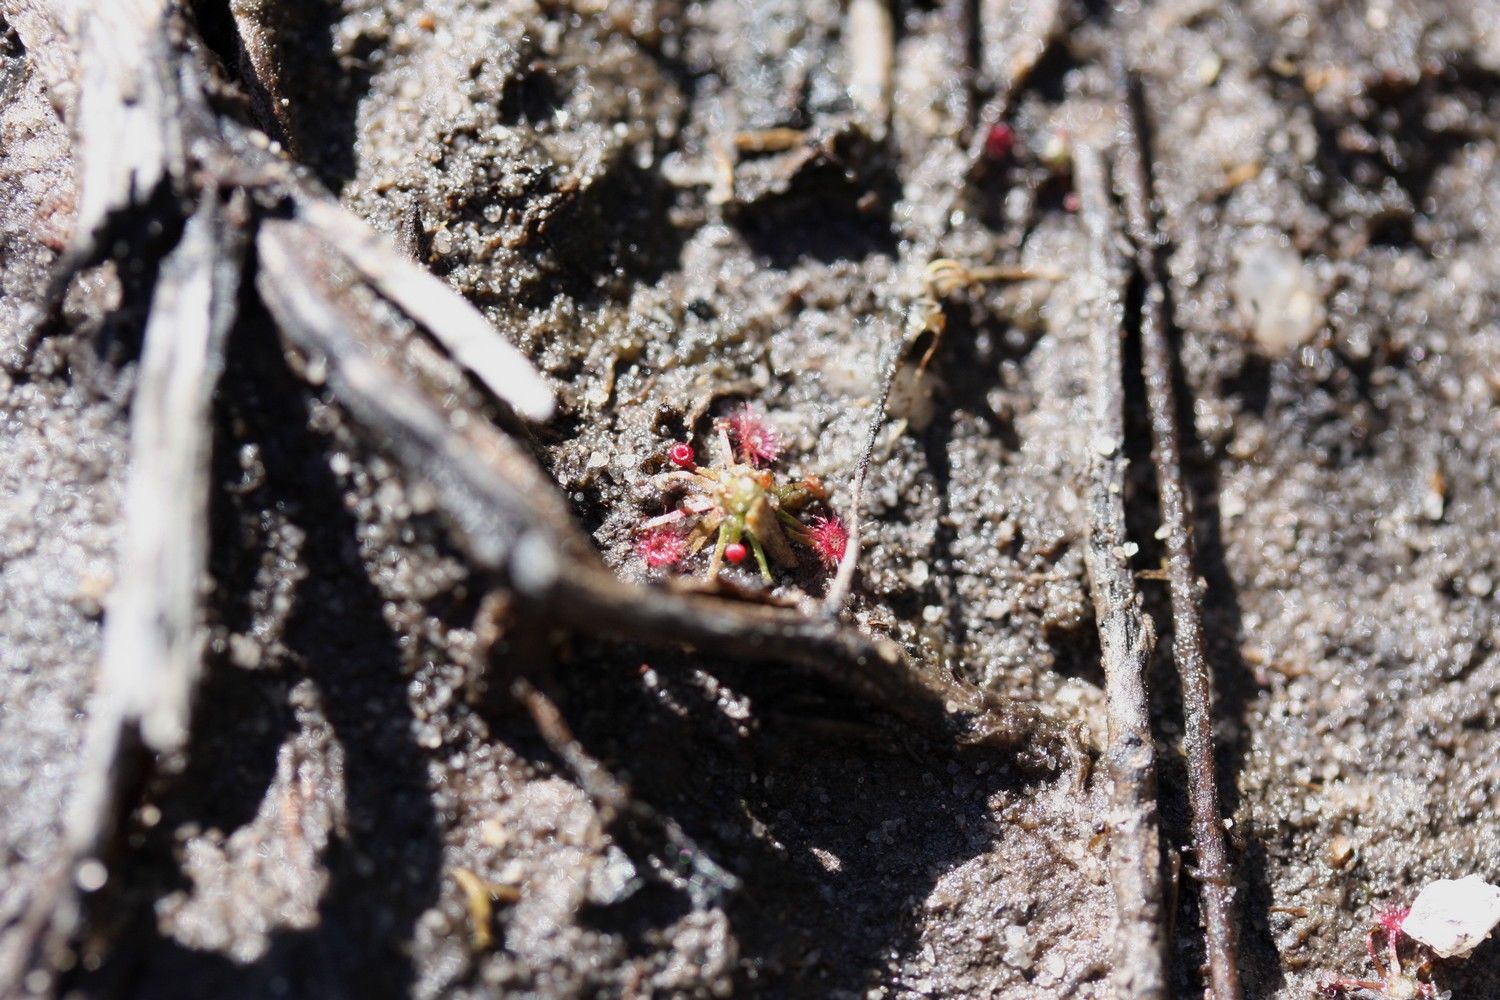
153	635
1125	635
451	320
843	579
1213	869
685	865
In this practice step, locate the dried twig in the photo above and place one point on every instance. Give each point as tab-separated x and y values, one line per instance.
466	335
1125	636
1213	868
152	636
687	866
843	578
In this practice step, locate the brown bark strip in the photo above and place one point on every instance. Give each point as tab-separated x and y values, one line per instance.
1125	635
1213	868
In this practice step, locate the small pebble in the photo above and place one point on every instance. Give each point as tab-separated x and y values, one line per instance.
1340	852
1432	505
1279	294
1454	916
1209	68
91	876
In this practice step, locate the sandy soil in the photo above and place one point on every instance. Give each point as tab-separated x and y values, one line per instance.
1329	192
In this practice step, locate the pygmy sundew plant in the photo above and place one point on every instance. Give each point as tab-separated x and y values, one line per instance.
739	504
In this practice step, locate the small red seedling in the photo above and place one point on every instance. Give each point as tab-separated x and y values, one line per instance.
1393	982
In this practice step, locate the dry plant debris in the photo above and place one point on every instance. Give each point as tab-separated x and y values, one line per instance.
1126	638
1212	869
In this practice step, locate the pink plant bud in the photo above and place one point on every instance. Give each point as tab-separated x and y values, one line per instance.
828	538
661	546
756	440
681	455
735	553
999	141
